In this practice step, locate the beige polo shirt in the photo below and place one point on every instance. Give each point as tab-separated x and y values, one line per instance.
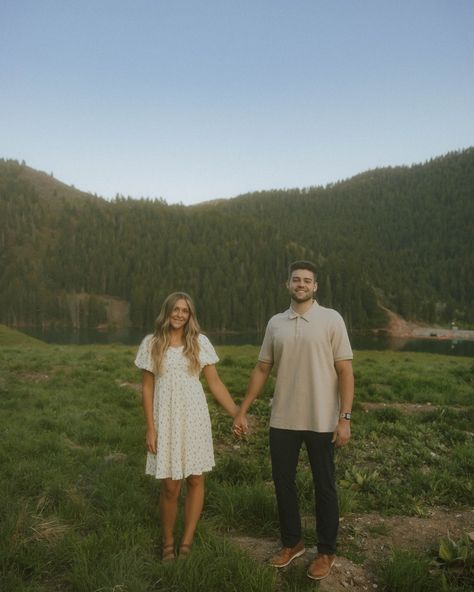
303	349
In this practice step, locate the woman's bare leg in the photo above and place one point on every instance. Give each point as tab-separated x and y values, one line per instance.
170	489
192	507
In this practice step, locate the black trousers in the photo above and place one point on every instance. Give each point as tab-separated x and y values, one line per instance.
285	448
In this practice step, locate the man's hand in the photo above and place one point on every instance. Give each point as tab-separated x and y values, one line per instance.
342	433
240	427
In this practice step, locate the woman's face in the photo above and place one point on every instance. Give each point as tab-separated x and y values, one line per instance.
180	314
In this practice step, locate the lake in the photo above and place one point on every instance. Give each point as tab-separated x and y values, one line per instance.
133	336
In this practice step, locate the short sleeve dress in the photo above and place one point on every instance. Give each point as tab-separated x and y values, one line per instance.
183	425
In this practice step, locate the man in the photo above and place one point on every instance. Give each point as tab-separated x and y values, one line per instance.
310	350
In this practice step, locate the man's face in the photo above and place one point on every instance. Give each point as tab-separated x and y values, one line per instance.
302	285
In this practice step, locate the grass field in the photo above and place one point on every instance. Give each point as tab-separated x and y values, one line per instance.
78	514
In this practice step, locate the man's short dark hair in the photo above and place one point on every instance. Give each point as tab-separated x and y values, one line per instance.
302	264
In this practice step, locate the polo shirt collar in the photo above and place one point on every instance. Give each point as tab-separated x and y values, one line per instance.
306	316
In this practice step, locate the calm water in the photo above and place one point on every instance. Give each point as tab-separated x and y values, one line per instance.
134	336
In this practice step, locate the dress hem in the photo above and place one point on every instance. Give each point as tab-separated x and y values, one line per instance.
183	476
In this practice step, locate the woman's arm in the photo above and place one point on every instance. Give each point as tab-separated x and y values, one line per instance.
219	390
148	392
258	378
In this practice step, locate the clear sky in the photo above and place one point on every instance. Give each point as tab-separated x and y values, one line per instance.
195	100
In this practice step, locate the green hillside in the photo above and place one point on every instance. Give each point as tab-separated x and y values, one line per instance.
11	338
398	237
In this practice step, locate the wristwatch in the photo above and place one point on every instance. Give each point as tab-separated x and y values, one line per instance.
345	416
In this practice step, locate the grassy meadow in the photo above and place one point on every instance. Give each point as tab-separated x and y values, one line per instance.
78	514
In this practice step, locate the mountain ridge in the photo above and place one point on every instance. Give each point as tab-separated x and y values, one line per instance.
398	236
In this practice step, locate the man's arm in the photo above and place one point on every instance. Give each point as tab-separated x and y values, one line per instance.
257	381
345	377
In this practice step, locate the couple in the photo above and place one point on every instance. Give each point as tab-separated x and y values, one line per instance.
310	350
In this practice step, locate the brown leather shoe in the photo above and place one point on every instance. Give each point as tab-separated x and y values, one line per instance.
320	567
286	555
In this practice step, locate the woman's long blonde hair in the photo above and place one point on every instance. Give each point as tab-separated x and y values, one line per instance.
162	333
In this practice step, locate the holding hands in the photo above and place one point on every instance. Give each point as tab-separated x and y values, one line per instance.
257	381
240	427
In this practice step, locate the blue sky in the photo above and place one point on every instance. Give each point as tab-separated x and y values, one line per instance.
191	101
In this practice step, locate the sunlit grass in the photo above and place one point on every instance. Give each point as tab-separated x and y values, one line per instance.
78	513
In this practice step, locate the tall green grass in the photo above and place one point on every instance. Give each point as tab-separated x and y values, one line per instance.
78	513
405	571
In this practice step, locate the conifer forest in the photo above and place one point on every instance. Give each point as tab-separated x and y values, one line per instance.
397	238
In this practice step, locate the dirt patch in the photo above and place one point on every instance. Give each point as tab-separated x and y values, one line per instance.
401	328
371	537
344	575
35	377
398	326
377	534
406	408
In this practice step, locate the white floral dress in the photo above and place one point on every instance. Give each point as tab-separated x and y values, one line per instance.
183	425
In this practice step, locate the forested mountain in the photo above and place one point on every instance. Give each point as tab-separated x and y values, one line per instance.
399	238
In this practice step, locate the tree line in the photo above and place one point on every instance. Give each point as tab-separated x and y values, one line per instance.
397	237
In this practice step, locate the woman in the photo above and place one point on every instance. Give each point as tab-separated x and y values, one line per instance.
178	426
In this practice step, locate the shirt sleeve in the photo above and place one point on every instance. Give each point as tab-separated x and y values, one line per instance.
207	353
341	346
143	359
266	351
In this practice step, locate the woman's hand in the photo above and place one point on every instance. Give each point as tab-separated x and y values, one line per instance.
240	427
151	438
